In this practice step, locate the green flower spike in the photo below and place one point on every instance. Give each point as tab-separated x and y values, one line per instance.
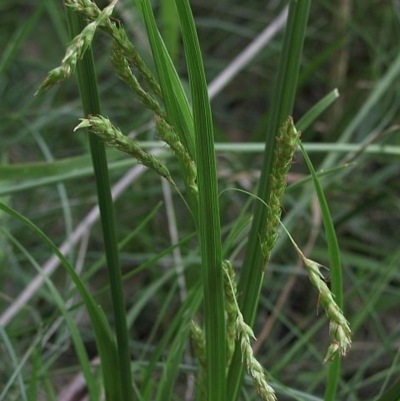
244	334
75	51
103	128
286	143
339	329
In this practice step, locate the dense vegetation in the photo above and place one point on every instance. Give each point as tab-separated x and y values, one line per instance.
174	221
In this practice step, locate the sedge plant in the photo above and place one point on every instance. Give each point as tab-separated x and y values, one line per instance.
223	342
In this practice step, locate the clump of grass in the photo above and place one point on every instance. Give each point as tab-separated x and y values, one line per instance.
227	333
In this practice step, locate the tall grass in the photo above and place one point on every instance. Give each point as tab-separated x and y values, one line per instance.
223	279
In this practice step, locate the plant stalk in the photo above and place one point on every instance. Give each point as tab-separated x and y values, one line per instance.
91	105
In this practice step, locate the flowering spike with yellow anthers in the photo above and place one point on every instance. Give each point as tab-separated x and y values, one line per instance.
287	140
103	128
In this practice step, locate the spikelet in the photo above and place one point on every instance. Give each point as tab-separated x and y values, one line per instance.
244	334
169	136
339	328
124	71
103	128
286	144
75	51
90	10
199	346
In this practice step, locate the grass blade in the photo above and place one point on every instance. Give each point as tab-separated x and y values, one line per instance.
175	100
91	105
392	394
209	217
104	339
317	110
72	327
376	95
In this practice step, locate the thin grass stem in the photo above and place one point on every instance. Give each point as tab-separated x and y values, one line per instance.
91	105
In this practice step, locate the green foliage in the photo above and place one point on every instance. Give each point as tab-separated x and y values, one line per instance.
132	290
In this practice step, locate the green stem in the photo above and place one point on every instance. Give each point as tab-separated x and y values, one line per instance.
91	105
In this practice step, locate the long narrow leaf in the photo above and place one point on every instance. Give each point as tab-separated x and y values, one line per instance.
104	338
179	332
317	110
91	104
175	100
72	327
209	217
